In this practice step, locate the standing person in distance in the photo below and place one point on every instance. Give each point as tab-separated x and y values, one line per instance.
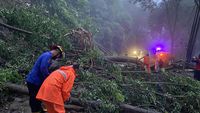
147	63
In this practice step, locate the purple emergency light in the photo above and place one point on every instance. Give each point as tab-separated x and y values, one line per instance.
158	48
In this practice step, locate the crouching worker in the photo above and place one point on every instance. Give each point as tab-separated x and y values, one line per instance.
56	88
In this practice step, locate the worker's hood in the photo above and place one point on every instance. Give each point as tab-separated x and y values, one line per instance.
70	68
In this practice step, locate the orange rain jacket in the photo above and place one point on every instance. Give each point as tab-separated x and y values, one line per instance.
56	88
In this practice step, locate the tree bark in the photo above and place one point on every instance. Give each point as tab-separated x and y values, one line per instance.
125	108
172	22
76	101
122	59
74	107
23	90
78	104
17	88
193	34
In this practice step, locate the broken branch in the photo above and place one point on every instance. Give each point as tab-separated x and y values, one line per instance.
16	29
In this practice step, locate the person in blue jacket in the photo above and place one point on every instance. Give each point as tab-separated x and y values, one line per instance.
39	73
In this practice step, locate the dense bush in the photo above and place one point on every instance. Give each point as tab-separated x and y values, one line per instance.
174	94
23	49
9	75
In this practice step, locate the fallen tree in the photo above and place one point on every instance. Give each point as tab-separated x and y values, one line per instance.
122	59
74	107
79	104
23	90
17	88
132	109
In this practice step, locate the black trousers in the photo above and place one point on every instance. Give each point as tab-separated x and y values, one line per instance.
33	102
197	75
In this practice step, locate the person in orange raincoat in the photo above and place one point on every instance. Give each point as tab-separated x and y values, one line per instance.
56	88
147	63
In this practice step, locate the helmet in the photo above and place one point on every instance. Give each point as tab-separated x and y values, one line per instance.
58	47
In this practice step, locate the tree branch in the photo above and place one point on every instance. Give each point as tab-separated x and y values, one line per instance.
14	28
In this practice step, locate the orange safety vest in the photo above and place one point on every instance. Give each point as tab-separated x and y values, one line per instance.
164	57
57	86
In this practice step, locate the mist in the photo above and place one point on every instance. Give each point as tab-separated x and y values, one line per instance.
125	25
121	26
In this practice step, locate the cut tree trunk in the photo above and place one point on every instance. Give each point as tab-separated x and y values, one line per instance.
23	90
125	108
77	104
122	59
194	32
125	72
17	88
74	107
76	101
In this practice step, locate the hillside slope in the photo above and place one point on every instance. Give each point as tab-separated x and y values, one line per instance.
98	80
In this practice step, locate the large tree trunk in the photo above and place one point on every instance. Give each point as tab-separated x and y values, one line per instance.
78	104
194	32
122	59
132	109
172	17
23	90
